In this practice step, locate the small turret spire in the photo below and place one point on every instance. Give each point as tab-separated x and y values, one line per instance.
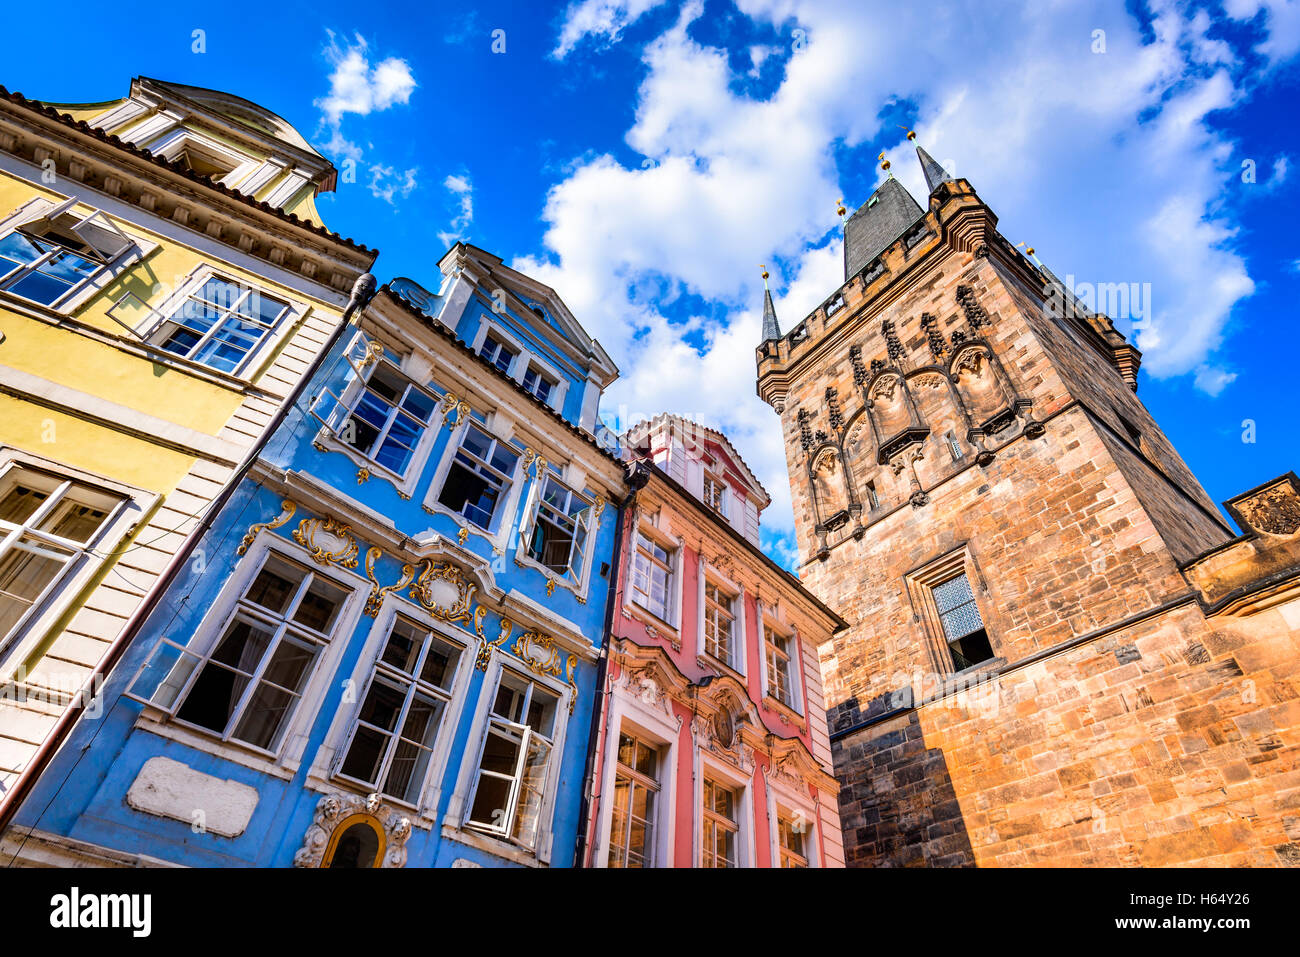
770	329
934	173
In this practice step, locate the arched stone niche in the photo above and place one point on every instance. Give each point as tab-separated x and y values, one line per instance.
830	488
983	388
351	831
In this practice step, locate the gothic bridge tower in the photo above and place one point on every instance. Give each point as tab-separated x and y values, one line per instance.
1040	667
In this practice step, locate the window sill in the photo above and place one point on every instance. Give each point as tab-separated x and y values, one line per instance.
326	442
707	660
337	783
497	540
524	560
653	621
787	712
157	722
497	847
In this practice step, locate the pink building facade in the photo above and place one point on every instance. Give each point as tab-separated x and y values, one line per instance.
712	748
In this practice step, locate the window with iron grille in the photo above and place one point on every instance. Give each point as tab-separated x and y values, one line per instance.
963	627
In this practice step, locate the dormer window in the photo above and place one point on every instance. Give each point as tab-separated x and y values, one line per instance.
497	353
715	495
203	164
539	384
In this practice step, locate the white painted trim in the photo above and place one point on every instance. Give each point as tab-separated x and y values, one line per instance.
745	822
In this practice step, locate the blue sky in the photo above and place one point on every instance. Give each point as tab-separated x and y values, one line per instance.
644	156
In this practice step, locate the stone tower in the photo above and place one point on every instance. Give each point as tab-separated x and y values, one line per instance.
1043	666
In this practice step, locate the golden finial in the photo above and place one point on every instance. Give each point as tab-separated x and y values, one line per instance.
839	208
884	163
763	266
1029	250
911	134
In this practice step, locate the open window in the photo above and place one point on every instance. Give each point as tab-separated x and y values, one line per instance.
220	323
557	528
515	759
963	626
479	478
48	258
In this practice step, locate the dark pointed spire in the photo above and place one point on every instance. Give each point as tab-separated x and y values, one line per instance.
934	173
770	329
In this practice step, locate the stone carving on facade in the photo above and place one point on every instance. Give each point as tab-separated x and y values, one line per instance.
287	509
444	591
1274	510
334	809
328	541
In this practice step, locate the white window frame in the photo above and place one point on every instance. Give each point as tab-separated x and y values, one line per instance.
256	357
347	398
739	633
77	296
723	509
503	517
676	582
708	766
28	632
769	618
781	797
333	750
175	141
652	726
525	358
458	825
638	780
284	760
528	523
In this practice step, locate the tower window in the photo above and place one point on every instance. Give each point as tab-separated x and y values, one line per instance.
954	447
963	627
873	497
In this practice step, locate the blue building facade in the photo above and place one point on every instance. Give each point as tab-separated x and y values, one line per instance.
384	651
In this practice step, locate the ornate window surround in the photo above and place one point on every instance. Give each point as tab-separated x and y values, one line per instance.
284	762
528	514
507	508
324	769
769	617
645	525
781	796
706	764
653	721
455	821
347	396
740	635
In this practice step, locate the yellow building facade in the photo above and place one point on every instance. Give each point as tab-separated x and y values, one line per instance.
165	284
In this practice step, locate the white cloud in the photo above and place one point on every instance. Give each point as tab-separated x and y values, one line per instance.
462	191
1281	21
356	87
1212	380
599	18
389	184
1105	162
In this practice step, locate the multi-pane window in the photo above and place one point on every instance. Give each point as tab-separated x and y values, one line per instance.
963	628
780	675
392	739
560	528
249	684
497	353
636	791
46	524
719	623
540	384
954	447
791	840
479	477
652	574
715	494
387	417
220	324
510	786
45	260
721	827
